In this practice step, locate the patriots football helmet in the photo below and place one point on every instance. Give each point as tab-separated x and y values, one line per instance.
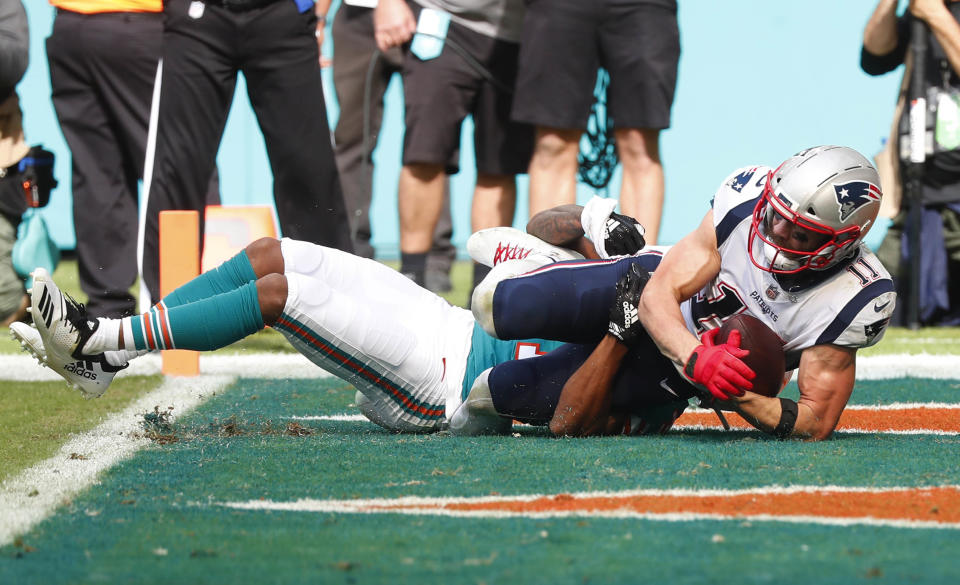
832	192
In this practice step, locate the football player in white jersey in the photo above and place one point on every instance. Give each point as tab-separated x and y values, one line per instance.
411	355
784	245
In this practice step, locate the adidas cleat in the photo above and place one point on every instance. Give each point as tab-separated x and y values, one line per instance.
91	376
61	321
493	246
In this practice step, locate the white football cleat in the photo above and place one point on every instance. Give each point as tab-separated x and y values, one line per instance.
61	321
493	246
477	415
90	376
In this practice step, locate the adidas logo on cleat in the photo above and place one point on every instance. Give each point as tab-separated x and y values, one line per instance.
91	376
83	369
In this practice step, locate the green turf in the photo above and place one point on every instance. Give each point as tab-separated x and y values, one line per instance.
37	417
155	518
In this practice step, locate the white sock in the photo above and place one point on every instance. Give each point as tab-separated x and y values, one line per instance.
104	338
121	357
128	343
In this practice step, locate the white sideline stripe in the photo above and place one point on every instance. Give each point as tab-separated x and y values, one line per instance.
435	506
902	365
59	478
23	368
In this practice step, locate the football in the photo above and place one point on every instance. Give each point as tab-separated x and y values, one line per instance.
766	351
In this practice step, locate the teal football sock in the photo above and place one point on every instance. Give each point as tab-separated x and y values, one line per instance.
210	323
233	273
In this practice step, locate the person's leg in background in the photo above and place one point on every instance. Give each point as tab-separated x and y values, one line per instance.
503	147
640	48
642	185
420	200
557	73
437	95
102	70
553	168
951	237
442	252
284	83
196	88
354	47
13	300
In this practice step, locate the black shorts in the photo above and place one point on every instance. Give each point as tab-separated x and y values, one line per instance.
566	41
441	92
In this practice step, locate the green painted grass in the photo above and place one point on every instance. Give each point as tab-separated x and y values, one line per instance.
37	417
154	518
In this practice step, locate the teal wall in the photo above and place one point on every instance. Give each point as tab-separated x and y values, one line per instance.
758	81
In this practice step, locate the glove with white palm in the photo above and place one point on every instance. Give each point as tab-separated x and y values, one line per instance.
612	234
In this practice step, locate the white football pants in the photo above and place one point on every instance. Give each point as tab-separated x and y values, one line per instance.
402	346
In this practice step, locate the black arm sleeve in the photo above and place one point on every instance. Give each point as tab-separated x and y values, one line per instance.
880	64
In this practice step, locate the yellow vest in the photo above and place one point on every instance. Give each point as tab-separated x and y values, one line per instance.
96	6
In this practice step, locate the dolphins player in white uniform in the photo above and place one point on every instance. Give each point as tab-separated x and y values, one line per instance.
411	355
784	245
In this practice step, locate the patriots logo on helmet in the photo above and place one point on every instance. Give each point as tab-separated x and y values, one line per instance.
855	194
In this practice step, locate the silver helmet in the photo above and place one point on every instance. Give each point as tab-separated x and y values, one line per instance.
832	191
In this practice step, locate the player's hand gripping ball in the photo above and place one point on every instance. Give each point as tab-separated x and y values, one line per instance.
766	357
719	367
622	235
624	319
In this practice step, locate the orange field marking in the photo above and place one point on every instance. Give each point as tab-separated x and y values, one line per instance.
930	507
938	505
943	419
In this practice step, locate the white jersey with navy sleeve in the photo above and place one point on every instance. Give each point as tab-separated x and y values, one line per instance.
848	304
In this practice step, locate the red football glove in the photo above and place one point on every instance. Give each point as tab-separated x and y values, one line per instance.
719	367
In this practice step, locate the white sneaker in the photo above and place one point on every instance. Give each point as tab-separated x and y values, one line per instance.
477	415
493	246
90	376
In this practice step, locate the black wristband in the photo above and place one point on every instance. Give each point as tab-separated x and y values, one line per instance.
788	418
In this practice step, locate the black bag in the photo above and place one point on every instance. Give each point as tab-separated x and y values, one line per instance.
27	183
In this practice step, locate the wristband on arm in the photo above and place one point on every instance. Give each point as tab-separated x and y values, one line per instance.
788	418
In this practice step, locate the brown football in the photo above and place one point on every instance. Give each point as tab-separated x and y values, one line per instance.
766	351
